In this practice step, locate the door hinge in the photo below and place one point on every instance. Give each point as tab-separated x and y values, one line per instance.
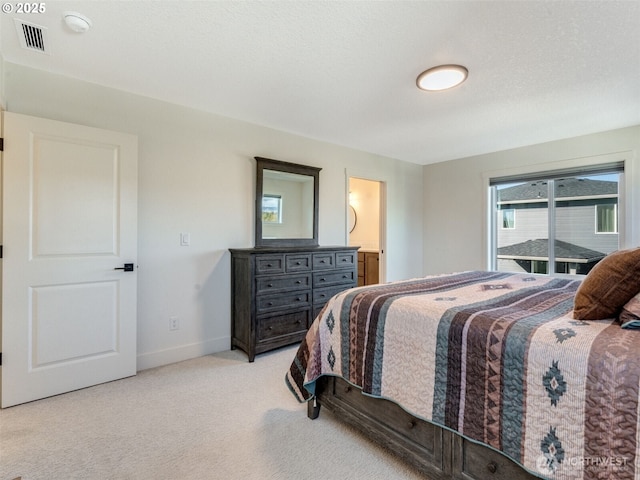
0	359
1	251
1	144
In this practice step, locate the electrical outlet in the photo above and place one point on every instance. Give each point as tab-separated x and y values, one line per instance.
174	323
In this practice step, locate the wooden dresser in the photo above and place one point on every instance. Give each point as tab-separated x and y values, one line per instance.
277	292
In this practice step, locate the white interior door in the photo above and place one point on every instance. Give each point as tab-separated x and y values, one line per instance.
69	221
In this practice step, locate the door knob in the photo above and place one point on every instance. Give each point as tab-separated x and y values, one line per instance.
128	267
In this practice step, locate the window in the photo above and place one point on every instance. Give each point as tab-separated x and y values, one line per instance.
271	208
508	218
607	218
555	211
539	266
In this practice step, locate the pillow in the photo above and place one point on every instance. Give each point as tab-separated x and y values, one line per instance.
630	314
610	284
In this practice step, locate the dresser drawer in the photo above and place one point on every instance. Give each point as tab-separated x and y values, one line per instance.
337	277
393	416
322	295
269	303
476	462
282	325
324	260
298	263
269	264
282	283
346	259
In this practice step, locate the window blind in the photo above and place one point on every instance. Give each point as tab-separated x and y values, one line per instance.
614	167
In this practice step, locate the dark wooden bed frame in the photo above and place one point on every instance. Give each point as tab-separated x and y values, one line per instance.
437	452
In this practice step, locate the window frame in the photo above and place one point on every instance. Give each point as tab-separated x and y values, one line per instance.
622	161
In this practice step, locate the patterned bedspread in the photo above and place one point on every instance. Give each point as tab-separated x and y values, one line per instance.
494	356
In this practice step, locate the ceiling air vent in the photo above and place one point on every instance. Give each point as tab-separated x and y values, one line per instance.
32	37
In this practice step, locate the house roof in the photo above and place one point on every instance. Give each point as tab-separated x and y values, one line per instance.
565	187
538	250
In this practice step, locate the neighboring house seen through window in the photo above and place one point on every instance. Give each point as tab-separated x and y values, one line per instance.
559	206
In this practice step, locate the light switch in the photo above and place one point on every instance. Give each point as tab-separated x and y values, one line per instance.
185	239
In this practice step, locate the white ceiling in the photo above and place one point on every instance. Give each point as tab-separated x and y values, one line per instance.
344	71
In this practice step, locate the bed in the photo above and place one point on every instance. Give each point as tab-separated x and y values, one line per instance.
478	375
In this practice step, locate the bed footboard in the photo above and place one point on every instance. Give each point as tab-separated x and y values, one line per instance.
437	452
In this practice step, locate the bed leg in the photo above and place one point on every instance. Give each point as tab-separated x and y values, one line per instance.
313	408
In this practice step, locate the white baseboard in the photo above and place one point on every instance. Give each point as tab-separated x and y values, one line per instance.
182	352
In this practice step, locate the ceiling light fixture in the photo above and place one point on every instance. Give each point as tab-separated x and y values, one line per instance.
76	21
442	77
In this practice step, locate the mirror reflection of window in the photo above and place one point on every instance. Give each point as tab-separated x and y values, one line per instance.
271	208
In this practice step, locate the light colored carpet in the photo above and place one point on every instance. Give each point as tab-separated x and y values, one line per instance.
214	417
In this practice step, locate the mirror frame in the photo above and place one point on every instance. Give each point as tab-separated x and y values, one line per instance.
287	167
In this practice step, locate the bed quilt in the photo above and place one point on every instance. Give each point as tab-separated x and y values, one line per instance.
494	356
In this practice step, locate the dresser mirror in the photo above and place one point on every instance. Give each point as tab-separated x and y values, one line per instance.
286	204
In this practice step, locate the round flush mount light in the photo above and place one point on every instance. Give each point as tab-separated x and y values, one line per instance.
442	77
76	21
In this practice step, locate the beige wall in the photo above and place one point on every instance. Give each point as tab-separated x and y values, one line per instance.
2	103
455	234
197	175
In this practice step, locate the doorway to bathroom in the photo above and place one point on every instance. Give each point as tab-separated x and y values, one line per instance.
366	227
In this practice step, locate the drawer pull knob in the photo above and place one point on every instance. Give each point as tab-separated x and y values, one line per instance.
345	276
298	322
411	424
299	282
270	304
269	328
322	280
270	285
322	261
298	263
347	389
298	299
492	467
269	265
